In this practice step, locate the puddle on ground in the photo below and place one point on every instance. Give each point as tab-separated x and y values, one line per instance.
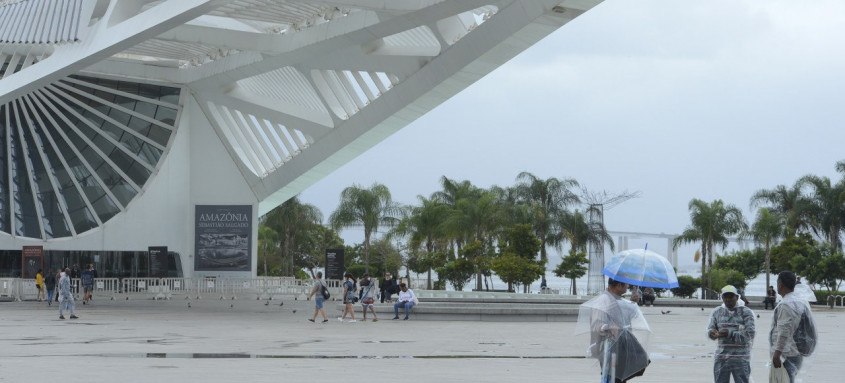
155	355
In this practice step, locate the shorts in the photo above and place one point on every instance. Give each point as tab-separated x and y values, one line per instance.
318	302
88	289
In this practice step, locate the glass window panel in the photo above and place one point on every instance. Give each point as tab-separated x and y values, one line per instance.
159	135
166	115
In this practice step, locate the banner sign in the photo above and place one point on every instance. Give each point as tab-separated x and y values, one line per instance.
334	264
223	238
32	259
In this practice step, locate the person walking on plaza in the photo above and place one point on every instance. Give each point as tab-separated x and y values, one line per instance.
732	325
87	278
39	284
66	296
348	298
793	335
610	321
368	297
388	287
50	284
319	298
407	299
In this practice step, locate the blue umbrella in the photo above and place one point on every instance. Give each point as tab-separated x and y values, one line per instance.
643	268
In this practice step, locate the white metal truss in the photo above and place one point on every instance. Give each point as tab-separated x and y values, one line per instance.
294	89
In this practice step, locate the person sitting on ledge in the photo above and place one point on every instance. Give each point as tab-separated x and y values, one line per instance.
648	296
407	299
770	298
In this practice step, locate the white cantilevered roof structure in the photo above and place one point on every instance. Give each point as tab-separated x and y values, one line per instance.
118	117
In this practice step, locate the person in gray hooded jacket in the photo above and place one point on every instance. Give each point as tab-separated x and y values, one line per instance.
732	325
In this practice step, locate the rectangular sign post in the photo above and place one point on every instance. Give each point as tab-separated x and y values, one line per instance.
334	264
223	238
158	261
32	259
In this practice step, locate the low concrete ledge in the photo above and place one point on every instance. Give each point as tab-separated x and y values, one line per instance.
490	312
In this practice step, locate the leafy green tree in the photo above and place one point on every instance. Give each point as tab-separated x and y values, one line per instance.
521	242
767	230
313	247
718	278
799	246
829	272
547	199
370	208
749	263
711	224
573	266
292	220
514	269
686	286
387	257
457	272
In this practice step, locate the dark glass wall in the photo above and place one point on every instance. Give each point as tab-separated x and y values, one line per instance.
109	264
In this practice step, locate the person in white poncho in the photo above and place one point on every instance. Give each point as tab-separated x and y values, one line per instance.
793	336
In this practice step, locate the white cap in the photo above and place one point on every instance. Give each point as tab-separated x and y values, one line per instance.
729	289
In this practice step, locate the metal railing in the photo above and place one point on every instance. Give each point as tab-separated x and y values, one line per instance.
266	288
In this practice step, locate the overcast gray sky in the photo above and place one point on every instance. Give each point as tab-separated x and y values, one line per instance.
708	99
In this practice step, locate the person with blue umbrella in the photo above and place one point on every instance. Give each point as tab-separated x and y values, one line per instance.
611	323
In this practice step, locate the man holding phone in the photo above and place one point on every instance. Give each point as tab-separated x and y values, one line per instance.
732	325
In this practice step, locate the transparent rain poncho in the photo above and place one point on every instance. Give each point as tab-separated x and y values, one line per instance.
733	330
793	327
617	333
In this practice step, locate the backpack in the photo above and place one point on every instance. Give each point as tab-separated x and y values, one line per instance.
325	292
805	335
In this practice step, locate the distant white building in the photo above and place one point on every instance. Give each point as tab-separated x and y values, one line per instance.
126	124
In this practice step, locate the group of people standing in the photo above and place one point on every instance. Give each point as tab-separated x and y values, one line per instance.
611	322
363	291
46	285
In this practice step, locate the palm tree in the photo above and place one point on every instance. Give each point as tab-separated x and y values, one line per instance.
268	241
711	224
547	200
366	207
292	221
790	203
454	191
767	229
575	229
827	207
424	225
476	218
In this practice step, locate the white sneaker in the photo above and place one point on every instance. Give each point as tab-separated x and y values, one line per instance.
339	319
352	321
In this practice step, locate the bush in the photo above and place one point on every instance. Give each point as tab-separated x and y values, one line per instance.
821	296
687	286
716	279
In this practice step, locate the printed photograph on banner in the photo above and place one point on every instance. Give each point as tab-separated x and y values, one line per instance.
223	238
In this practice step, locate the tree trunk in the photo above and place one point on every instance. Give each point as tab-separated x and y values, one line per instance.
768	265
428	283
703	284
574	287
367	252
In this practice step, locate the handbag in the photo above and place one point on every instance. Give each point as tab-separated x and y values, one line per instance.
778	375
368	300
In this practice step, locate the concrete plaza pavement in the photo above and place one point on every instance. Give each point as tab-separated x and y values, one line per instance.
248	341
